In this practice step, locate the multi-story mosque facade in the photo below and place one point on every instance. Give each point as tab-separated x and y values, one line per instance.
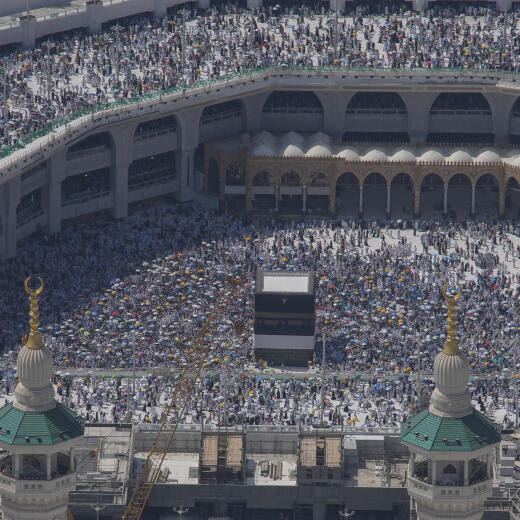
325	142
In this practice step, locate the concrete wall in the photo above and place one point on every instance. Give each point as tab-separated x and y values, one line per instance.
273	442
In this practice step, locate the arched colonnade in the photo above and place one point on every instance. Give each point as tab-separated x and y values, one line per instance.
379	189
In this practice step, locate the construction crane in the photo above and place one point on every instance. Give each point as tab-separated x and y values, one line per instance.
179	401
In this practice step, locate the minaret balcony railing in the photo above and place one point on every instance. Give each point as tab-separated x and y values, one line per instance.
446	493
29	484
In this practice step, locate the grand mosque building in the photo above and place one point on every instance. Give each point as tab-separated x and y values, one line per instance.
300	142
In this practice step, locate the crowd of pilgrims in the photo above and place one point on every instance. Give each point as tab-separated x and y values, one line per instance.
139	290
78	71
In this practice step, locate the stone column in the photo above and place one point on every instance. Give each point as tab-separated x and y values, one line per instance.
185	173
337	4
4	198
122	140
48	465
434	472
161	9
332	200
56	176
388	200
72	461
418	107
254	4
445	209
501	199
249	196
28	26
221	188
473	188
304	198
417	202
189	132
466	473
504	5
94	16
500	106
53	207
276	197
419	5
333	117
319	511
360	212
17	466
12	199
253	106
120	188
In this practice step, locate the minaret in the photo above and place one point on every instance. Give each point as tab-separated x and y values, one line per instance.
37	434
452	445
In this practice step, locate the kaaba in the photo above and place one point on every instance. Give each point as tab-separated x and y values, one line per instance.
285	317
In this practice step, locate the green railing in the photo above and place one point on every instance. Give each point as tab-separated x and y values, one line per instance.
278	69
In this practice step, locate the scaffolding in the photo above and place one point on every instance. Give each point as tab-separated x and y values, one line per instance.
222	458
320	458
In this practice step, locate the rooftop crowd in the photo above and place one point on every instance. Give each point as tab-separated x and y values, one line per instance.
77	71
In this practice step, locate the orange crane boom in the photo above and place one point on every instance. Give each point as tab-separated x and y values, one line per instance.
178	403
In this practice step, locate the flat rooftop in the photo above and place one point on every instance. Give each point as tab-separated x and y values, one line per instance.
376	474
183	468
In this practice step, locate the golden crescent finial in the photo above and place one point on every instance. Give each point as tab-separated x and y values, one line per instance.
35	339
451	347
30	291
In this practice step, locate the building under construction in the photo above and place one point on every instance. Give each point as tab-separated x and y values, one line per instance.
252	473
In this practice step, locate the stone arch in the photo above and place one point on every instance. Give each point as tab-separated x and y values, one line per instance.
462	118
290	179
221	109
514	122
283	111
263	192
318	192
262	178
93	142
158	126
291	193
213	176
402	195
432	195
459	195
318	180
376	117
347	194
374	195
374	179
235	175
377	101
222	120
296	101
512	198
460	101
486	195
